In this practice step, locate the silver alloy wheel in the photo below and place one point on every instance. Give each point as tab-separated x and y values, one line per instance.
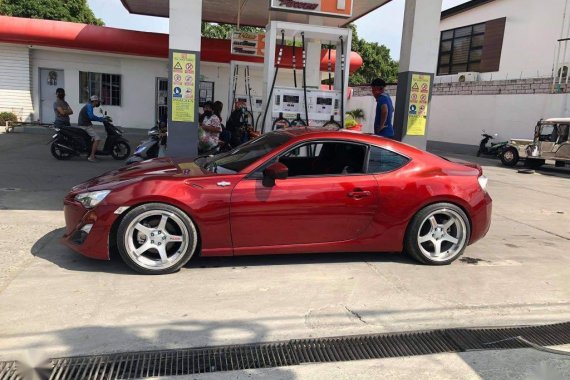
442	235
158	239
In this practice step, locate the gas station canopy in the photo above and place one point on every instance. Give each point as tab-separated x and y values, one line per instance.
253	12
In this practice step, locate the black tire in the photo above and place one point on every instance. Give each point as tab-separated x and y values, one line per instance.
120	150
150	265
461	232
509	157
59	153
532	163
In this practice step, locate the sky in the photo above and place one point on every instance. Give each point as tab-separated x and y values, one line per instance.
383	25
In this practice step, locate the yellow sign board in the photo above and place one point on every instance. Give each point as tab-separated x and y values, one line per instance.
183	87
419	103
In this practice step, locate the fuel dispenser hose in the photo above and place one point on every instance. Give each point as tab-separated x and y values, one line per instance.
279	57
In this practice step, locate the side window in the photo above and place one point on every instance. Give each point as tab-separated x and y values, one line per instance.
382	160
325	158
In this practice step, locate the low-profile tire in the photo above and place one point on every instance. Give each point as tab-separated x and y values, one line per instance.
59	153
120	150
438	234
532	163
509	157
156	238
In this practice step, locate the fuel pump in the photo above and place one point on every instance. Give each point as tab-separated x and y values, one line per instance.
309	104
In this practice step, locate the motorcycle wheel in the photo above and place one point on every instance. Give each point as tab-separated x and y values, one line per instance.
120	150
59	153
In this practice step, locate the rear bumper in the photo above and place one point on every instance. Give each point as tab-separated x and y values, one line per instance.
87	231
481	219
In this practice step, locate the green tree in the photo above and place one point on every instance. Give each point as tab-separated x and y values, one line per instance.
61	10
377	62
223	31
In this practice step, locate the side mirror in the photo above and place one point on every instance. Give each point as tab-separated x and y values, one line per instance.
273	172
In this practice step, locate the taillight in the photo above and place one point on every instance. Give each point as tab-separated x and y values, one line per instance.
483	182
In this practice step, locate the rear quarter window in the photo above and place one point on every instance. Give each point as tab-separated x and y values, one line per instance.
382	160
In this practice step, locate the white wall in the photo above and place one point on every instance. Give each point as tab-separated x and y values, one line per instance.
368	105
15	85
460	118
138	76
531	33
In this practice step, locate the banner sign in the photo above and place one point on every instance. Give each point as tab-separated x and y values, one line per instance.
419	103
183	86
334	8
252	44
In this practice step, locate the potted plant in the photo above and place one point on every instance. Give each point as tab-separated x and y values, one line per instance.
353	119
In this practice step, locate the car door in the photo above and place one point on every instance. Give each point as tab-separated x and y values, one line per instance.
320	202
562	147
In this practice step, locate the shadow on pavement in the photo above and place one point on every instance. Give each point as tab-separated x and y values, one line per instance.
49	248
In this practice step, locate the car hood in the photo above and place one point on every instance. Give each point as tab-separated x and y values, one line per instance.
159	167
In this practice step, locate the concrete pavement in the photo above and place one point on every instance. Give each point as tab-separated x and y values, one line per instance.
54	302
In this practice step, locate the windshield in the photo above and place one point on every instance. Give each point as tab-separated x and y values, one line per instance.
244	155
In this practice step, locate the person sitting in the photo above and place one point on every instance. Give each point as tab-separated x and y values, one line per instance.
209	130
84	121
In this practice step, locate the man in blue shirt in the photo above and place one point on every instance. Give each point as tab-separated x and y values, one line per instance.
384	110
84	121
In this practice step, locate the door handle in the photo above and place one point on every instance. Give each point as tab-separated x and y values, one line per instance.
359	194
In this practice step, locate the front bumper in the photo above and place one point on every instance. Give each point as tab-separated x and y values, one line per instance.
87	230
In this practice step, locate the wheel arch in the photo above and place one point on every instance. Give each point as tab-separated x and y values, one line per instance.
456	201
113	253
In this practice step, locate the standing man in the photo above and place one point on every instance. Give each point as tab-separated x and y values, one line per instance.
84	121
61	109
384	110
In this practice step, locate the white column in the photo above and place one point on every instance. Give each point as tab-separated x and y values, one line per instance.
185	25
313	63
185	37
419	53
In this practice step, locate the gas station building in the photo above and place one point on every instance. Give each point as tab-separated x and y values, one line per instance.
122	65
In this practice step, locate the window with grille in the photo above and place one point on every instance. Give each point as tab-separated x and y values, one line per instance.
106	86
206	92
461	49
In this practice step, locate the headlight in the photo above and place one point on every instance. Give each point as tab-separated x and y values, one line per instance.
92	199
483	182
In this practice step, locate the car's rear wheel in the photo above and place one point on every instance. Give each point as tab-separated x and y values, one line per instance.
156	238
509	157
438	234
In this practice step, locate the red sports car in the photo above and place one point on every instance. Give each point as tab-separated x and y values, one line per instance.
291	191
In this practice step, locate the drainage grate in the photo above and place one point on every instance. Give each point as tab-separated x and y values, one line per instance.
138	365
8	371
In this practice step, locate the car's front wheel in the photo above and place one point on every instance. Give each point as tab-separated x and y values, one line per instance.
509	157
438	234
156	238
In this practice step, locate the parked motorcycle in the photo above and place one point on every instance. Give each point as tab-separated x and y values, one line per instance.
490	149
72	141
150	147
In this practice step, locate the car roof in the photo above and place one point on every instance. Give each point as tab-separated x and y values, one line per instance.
314	133
557	120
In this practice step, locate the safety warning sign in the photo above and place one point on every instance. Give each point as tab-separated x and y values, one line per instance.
183	87
419	99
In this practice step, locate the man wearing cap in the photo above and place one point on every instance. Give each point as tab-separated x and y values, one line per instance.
384	109
84	121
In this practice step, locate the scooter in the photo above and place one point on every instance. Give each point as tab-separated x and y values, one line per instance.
492	149
72	141
148	148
